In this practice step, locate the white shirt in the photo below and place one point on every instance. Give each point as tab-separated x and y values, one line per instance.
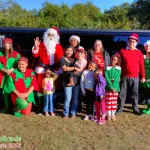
87	81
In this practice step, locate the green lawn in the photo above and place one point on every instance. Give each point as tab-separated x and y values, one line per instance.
129	132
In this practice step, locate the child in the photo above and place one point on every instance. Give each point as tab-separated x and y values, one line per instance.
146	84
80	64
87	86
112	75
99	103
48	90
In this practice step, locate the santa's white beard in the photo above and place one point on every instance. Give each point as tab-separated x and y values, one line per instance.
50	45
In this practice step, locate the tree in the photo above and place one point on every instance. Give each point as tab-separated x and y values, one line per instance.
118	18
140	9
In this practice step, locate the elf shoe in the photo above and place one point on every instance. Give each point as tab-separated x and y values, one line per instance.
17	114
147	110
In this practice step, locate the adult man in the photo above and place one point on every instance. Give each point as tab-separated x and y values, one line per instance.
49	52
132	63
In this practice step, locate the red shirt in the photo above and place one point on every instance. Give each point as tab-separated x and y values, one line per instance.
132	63
99	59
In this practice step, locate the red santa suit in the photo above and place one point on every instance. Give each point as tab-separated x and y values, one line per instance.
47	57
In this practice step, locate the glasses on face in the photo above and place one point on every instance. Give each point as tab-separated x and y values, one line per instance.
130	41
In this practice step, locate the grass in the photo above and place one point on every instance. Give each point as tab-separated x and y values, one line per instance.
129	132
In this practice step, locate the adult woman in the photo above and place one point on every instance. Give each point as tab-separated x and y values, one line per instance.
71	92
146	84
8	60
74	40
22	96
98	55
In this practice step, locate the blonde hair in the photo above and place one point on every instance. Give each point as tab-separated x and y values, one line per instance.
102	48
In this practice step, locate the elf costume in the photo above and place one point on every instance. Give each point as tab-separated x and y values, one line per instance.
7	61
112	76
21	82
146	84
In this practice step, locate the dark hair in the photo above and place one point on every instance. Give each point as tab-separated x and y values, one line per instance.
98	70
93	62
47	68
69	46
119	59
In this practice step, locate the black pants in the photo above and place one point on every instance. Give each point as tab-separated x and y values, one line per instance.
89	99
129	86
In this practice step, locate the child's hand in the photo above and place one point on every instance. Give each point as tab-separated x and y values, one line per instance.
84	94
77	69
113	91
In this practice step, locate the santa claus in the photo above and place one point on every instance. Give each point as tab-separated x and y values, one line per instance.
49	52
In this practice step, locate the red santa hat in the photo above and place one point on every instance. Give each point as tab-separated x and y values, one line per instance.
133	36
23	59
147	43
7	40
53	30
74	37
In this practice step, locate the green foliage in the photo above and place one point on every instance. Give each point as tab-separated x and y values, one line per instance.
126	16
141	9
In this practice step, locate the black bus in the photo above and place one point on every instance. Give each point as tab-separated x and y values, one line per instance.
113	40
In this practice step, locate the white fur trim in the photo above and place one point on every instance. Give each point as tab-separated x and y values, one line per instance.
74	37
51	31
39	70
80	47
144	56
147	43
35	51
109	67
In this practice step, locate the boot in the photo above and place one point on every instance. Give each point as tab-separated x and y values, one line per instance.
71	82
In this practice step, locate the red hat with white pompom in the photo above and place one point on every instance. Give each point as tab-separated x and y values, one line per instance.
53	30
74	37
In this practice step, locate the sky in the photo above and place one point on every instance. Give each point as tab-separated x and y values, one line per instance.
102	4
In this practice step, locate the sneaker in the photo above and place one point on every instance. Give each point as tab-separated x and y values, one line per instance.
73	117
46	114
113	118
86	118
92	117
101	121
40	113
52	114
65	117
109	118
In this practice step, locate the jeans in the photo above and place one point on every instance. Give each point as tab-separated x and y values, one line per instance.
71	93
49	102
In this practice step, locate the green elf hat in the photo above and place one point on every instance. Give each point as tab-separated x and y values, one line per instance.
21	103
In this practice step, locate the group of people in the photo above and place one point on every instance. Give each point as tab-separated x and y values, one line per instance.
103	81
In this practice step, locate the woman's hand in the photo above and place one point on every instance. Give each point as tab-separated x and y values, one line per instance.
36	42
10	71
22	95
